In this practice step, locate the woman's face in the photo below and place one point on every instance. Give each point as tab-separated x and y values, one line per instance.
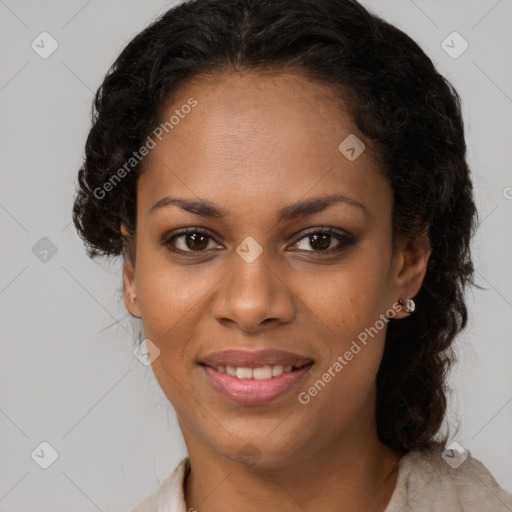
255	151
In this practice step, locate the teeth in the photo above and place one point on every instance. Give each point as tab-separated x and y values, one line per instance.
265	372
244	373
277	370
261	373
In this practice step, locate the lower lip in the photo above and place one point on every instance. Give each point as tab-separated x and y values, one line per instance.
252	391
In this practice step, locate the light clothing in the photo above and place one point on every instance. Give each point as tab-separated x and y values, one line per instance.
425	483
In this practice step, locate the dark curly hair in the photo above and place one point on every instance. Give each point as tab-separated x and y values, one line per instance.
409	114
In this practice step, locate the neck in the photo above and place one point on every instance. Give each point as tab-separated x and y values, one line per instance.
351	473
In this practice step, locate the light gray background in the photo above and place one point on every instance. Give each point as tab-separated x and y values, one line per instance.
67	372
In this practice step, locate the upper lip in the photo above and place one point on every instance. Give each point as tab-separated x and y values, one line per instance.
254	359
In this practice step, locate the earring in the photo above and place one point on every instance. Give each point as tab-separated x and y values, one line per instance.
132	299
409	305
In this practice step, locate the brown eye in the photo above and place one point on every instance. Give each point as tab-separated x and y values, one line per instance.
321	240
192	240
196	241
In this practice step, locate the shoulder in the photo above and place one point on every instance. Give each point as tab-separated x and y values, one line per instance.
445	480
169	497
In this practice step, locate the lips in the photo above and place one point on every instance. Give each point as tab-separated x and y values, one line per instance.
255	377
255	359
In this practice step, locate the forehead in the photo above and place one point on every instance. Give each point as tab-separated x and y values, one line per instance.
264	136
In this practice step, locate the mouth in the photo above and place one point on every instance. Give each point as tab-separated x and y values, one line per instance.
255	359
255	378
258	373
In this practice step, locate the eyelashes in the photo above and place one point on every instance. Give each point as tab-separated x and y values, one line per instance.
190	233
321	237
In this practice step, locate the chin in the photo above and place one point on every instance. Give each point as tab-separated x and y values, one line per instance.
262	451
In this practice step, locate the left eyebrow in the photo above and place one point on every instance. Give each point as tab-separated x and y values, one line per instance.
205	208
315	205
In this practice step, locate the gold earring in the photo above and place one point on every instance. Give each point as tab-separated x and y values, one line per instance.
409	305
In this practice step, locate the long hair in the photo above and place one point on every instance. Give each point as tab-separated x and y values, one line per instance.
409	113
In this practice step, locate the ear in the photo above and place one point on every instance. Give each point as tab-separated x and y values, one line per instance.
409	268
130	290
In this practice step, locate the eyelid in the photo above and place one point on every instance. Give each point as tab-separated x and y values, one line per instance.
177	233
324	229
344	238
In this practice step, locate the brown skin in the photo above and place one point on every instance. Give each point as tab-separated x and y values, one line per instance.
253	145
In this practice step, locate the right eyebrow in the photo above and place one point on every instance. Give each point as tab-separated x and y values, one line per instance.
205	208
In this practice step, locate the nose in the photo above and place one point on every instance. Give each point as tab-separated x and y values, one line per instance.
253	296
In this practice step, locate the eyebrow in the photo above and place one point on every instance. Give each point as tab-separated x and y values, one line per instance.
300	209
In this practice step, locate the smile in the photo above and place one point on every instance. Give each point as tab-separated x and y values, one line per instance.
259	373
255	386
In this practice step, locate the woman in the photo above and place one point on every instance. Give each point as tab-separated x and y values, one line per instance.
287	185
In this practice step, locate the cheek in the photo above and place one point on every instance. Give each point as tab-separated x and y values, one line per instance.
346	310
351	352
346	298
171	296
